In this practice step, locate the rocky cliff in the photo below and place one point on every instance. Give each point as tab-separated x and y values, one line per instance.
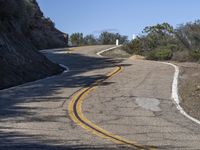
24	30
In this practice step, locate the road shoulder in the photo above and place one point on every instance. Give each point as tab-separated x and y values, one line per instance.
189	88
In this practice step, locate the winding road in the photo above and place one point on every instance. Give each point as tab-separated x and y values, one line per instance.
100	103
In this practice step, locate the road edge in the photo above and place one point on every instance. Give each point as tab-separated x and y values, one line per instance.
175	95
102	51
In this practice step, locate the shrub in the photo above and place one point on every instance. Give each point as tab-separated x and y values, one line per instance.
195	55
107	38
76	39
133	47
181	55
161	53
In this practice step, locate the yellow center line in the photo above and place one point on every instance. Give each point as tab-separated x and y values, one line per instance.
75	112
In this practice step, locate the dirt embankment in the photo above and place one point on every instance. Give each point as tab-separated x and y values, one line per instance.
24	30
189	88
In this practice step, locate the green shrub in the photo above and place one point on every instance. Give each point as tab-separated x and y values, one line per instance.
181	56
133	47
161	53
173	47
195	54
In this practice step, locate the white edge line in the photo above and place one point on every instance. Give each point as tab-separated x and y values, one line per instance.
175	96
61	65
65	67
99	53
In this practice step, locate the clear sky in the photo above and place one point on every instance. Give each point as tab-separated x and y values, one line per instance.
127	17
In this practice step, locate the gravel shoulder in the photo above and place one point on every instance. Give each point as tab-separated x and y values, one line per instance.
189	88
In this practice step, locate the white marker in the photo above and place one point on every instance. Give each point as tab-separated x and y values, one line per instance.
134	36
117	42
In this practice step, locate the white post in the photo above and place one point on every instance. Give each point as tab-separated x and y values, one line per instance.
117	42
134	36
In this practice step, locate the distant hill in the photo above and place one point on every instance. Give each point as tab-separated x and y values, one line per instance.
24	30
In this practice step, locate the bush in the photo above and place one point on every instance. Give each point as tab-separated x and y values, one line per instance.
109	38
181	56
133	47
195	55
77	39
161	53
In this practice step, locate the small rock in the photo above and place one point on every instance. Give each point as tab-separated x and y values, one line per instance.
197	87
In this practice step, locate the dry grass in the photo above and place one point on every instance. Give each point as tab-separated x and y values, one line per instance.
79	48
116	53
137	57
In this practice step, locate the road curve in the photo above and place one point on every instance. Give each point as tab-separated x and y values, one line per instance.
78	117
135	105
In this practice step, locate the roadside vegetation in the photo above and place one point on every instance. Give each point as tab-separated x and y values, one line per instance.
163	42
105	38
158	42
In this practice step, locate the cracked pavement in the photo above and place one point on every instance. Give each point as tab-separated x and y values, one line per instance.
135	104
138	107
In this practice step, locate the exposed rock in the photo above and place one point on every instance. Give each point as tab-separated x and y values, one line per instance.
24	30
197	87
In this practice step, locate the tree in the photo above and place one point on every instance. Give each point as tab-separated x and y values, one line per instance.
157	35
76	39
189	35
90	40
134	47
161	29
106	38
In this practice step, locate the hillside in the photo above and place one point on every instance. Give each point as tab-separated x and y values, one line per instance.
24	30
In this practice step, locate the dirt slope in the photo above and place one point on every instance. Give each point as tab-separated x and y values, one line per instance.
24	30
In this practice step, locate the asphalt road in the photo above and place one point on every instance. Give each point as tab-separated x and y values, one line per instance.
134	104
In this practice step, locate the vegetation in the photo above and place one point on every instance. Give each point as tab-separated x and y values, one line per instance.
77	39
161	53
105	38
195	55
158	42
133	47
90	40
163	42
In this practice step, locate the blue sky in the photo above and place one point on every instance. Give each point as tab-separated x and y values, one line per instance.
127	17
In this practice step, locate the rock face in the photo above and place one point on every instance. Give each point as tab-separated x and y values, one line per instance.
24	30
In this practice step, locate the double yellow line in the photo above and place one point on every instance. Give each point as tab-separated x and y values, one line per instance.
75	112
